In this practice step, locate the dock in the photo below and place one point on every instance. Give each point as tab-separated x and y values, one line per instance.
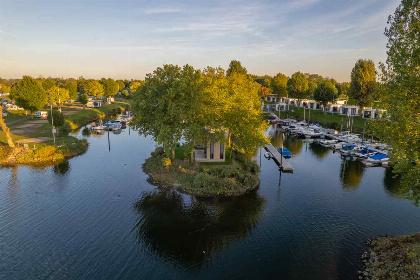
332	136
279	159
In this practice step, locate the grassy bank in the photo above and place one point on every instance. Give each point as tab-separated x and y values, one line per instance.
36	134
392	258
235	179
327	120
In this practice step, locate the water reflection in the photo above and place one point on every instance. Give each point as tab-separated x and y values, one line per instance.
351	173
62	168
191	233
294	146
318	150
394	187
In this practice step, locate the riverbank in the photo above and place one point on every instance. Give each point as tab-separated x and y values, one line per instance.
392	258
238	178
33	140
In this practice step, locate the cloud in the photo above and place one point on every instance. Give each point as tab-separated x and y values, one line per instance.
162	11
7	33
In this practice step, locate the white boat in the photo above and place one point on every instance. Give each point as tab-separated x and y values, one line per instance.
378	159
328	143
98	127
364	153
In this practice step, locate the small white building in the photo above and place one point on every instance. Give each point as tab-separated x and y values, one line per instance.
371	113
281	106
349	110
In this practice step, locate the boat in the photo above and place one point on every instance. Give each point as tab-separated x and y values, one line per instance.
364	153
286	153
348	149
98	127
327	143
377	159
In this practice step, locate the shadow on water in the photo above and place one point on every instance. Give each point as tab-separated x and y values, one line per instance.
295	147
62	168
351	173
394	187
192	233
319	151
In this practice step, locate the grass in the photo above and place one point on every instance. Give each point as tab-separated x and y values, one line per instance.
328	120
66	146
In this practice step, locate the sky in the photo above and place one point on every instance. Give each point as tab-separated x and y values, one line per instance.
128	39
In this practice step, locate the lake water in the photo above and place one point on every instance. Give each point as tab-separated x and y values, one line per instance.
97	217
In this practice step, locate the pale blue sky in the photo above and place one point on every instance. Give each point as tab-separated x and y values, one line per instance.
127	39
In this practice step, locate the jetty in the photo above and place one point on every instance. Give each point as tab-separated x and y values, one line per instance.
338	138
279	159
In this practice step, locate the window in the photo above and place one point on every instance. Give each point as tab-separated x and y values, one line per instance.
211	151
222	151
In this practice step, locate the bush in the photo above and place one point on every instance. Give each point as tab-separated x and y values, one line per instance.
204	180
64	129
5	151
167	162
58	117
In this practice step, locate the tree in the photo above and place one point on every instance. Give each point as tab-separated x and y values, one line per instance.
124	92
325	92
343	89
110	87
4	88
58	117
71	86
134	86
400	96
311	88
94	88
279	85
47	84
297	86
81	85
83	98
363	82
58	96
29	94
264	92
235	66
5	129
121	85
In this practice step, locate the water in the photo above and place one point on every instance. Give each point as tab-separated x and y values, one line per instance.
97	217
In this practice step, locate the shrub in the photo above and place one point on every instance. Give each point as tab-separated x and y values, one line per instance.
58	117
64	129
167	162
5	151
204	180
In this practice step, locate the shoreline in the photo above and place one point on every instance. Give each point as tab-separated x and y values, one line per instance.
66	147
391	257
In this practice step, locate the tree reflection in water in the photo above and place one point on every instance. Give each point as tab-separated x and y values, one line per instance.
62	168
394	188
351	173
293	145
318	150
191	234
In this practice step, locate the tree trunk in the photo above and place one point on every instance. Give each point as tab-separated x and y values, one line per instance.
192	156
173	153
6	129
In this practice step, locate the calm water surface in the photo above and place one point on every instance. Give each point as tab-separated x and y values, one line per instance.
96	217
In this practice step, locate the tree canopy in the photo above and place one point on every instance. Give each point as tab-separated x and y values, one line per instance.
47	84
93	87
177	103
71	86
297	85
279	84
400	96
325	92
235	66
363	82
134	86
110	87
29	94
59	95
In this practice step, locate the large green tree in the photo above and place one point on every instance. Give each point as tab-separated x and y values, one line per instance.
58	96
400	96
134	86
343	89
235	66
94	88
121	85
279	85
47	84
363	82
325	92
110	87
71	86
29	94
297	85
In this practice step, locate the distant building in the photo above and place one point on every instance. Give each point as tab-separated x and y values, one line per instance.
349	110
371	113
